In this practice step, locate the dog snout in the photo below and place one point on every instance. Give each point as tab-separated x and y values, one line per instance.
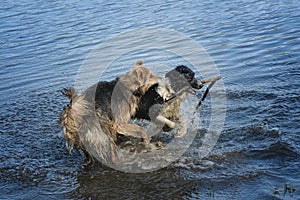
196	84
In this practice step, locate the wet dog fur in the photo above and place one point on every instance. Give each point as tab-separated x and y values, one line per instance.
156	105
105	108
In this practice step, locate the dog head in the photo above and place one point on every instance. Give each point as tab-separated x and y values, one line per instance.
139	79
182	71
183	77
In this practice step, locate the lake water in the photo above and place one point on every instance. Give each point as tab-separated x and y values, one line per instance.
256	46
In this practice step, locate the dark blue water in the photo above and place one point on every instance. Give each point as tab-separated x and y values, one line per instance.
256	46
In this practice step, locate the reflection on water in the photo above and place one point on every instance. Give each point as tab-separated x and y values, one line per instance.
256	47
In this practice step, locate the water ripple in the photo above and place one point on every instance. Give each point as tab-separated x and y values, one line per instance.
255	44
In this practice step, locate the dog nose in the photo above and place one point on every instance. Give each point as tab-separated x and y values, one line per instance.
200	85
196	84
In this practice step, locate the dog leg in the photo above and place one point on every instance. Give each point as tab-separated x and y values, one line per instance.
182	128
133	130
114	156
89	160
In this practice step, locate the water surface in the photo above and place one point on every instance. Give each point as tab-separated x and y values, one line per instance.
256	46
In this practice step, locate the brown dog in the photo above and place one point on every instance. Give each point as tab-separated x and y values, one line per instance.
93	119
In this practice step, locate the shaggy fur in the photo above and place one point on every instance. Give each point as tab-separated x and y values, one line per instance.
93	119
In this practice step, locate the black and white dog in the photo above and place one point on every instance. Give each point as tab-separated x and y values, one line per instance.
161	102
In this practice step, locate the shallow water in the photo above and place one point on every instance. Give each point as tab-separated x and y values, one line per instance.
256	47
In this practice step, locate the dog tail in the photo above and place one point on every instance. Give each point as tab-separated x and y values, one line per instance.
68	119
82	128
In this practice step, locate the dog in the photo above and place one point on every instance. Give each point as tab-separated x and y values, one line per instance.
106	108
161	102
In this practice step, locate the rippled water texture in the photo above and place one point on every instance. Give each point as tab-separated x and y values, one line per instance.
255	44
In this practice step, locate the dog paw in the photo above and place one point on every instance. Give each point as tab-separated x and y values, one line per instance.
88	162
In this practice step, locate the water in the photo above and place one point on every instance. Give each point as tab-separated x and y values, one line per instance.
256	46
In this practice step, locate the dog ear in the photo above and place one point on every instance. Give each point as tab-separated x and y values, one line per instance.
196	84
139	63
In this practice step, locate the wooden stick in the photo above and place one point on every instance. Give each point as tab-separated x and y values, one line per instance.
211	79
185	89
212	82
